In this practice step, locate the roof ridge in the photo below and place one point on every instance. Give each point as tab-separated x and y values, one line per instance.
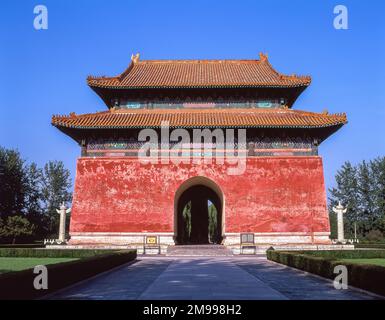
191	73
168	61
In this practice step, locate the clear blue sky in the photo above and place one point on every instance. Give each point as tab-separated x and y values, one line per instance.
44	72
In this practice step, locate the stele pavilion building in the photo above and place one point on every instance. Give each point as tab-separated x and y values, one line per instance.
280	198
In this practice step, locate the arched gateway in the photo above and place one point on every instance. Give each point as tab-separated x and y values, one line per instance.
276	197
198	212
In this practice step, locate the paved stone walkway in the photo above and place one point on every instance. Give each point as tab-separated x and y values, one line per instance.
229	278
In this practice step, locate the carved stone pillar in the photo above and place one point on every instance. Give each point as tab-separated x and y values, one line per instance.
340	210
62	227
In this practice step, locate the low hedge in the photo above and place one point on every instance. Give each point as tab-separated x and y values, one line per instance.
347	254
23	245
364	276
51	253
370	246
19	284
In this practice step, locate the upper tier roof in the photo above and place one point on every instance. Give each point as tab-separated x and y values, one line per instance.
199	74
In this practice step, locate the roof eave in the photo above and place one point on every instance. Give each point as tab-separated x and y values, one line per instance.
199	127
95	86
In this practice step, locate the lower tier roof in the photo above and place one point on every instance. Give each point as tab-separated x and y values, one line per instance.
201	118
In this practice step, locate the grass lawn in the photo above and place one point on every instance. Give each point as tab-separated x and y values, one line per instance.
374	261
8	264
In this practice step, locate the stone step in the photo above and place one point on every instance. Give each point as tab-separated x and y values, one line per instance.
198	250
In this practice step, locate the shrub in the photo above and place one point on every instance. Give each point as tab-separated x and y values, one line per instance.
24	245
370	245
364	276
16	227
18	285
346	254
374	236
52	253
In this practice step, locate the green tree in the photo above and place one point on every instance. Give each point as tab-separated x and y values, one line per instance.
12	183
28	192
18	226
33	205
378	169
333	224
3	230
56	184
366	206
213	222
33	189
346	191
187	221
362	190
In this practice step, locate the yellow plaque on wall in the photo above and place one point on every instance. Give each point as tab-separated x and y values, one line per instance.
151	240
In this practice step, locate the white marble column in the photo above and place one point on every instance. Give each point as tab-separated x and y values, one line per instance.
340	210
62	227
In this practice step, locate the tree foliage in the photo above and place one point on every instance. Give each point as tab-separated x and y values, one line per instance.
361	189
213	223
55	190
29	196
12	183
17	226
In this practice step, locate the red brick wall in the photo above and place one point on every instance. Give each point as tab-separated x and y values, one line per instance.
277	194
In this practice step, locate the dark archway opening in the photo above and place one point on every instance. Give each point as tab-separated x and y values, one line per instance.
199	216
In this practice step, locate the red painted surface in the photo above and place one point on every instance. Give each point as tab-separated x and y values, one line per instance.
277	194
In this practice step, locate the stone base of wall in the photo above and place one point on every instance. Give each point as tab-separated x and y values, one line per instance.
119	238
113	240
261	249
283	241
281	238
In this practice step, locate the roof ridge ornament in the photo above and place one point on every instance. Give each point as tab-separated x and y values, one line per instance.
134	60
135	57
263	57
